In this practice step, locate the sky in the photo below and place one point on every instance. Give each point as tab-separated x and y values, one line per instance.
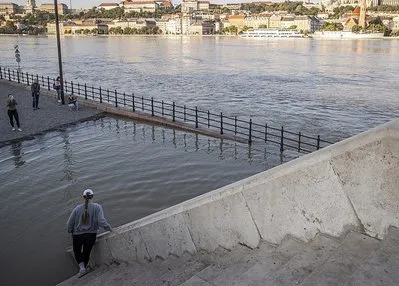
76	4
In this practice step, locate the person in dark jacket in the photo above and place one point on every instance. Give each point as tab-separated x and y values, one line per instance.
84	223
57	87
12	112
35	88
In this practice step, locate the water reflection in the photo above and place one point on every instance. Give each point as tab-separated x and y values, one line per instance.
16	151
223	149
68	160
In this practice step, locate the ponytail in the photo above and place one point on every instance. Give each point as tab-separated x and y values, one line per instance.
85	216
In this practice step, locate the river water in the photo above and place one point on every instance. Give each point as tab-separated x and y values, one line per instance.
332	88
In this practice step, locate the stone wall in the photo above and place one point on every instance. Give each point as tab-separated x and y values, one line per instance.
353	184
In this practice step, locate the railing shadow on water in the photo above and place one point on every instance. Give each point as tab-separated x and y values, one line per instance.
225	149
239	129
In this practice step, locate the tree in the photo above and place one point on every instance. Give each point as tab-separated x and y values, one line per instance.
332	26
231	30
356	29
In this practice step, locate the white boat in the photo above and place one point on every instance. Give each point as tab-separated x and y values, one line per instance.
346	35
271	34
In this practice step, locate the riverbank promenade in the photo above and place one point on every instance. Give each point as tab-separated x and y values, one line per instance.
50	116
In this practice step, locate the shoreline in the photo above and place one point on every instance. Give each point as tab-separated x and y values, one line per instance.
171	36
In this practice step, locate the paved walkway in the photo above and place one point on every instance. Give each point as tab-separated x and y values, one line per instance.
50	116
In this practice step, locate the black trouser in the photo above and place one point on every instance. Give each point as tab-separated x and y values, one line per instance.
11	114
35	100
82	245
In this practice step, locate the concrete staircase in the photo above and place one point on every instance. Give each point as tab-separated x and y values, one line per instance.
355	259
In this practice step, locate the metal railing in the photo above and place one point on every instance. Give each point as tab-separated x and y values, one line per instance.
242	129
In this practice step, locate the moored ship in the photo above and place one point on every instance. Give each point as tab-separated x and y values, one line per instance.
346	35
271	34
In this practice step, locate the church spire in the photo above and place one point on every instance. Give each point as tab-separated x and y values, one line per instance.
362	16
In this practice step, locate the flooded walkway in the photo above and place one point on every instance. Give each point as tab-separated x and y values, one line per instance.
50	116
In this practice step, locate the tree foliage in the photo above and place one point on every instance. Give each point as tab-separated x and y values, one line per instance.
341	10
332	26
231	30
383	8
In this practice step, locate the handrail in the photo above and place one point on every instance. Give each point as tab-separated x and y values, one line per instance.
241	129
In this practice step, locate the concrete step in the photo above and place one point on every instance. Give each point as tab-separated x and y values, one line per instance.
242	263
268	264
355	249
355	260
301	265
382	267
97	273
172	271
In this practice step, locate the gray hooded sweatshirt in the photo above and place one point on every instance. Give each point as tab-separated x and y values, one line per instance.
96	219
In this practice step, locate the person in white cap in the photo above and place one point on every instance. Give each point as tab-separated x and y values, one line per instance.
84	223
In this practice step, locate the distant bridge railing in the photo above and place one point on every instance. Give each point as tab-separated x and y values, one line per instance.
242	129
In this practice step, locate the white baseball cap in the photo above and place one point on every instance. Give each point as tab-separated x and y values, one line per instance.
88	193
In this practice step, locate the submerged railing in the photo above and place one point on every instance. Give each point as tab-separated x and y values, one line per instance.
241	129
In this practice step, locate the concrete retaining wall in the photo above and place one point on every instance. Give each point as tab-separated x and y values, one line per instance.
353	184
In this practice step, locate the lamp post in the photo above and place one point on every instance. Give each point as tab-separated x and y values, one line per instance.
57	27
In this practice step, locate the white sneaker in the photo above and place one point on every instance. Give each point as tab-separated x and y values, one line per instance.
13	129
82	272
19	129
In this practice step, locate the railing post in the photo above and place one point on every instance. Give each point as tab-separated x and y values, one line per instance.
124	99
173	112
318	142
101	96
9	75
116	98
265	132
108	95
13	75
27	79
163	113
196	117
48	83
37	77
72	87
235	125
184	113
209	119
92	91
1	73
299	141
282	139
250	131
221	123
85	91
42	80
134	108
66	86
18	76
152	106
78	88
142	103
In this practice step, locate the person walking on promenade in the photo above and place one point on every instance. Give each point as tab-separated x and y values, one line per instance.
12	112
84	223
35	88
57	87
